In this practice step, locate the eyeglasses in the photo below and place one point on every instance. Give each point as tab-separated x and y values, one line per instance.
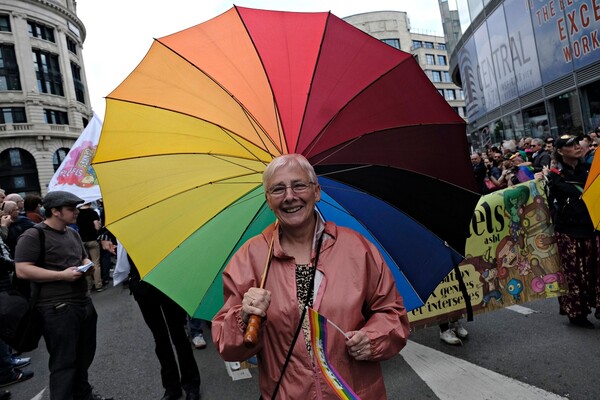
297	187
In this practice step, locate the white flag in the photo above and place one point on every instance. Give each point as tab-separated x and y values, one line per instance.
76	174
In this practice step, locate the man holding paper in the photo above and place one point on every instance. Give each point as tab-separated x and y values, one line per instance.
51	261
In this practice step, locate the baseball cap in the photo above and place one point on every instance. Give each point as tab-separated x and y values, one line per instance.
566	140
60	198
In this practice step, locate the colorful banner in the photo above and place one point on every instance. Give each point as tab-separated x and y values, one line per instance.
511	258
318	339
75	174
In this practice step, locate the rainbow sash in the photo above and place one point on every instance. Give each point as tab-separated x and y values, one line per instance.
318	338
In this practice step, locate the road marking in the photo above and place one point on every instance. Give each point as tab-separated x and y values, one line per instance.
451	378
521	309
39	395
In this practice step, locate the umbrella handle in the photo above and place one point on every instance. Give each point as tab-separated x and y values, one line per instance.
253	326
251	334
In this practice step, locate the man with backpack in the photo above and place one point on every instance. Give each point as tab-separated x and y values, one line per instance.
63	299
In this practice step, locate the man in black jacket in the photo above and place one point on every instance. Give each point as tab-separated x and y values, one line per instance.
540	158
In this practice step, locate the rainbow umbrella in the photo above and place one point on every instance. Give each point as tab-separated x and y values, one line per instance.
188	134
591	192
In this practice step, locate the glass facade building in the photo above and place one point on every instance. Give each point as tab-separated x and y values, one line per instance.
528	67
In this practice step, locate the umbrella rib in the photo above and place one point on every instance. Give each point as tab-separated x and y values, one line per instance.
229	133
318	137
280	134
312	79
253	121
356	190
332	173
345	211
218	182
238	241
215	155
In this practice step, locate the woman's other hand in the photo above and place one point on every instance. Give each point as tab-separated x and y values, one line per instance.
358	345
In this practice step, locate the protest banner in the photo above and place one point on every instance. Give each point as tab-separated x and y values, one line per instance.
76	174
511	258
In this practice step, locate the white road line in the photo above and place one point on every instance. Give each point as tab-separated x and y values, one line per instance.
521	309
39	395
451	378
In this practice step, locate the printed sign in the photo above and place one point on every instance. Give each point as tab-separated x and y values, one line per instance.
512	258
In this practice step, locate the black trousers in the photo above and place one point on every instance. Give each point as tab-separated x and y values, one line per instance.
166	320
70	336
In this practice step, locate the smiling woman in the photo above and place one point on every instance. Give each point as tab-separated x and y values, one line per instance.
332	269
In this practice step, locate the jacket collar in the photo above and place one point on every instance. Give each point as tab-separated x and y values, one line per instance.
328	229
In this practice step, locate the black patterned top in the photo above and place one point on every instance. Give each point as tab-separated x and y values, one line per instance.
303	278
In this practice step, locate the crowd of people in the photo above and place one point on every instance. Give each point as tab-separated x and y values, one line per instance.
512	162
563	163
42	241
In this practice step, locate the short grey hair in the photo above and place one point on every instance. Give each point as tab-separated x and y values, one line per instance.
538	141
294	160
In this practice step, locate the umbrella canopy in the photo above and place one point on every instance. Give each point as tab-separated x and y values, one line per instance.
591	192
188	134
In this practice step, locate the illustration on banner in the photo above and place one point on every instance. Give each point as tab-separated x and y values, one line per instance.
511	257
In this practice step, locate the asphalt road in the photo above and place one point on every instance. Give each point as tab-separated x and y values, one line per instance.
538	349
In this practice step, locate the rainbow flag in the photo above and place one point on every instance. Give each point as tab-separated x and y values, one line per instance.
318	338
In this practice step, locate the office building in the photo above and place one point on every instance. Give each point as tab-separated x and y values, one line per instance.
527	68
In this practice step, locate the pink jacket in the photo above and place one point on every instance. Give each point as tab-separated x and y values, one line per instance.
357	292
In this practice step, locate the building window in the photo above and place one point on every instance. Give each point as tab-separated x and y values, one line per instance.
395	43
40	31
428	45
430	59
447	76
71	45
47	71
441	60
12	115
441	46
436	76
450	95
416	44
56	117
460	111
18	172
9	70
441	92
4	23
79	89
461	94
59	156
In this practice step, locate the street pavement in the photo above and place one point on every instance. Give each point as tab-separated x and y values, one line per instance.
509	355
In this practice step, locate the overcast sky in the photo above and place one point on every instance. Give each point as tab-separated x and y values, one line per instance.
120	32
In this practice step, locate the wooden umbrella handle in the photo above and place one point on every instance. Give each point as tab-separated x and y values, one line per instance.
251	334
253	326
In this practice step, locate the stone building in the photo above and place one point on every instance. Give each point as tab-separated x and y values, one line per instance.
393	28
44	102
